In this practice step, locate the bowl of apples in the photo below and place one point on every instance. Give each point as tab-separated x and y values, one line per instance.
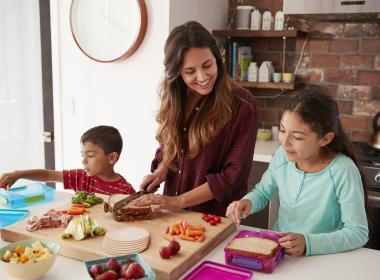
121	267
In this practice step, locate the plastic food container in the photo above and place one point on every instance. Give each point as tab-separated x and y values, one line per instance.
255	263
26	195
33	270
9	216
212	270
149	274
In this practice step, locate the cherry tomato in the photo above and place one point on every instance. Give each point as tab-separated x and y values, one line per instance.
208	218
217	219
213	222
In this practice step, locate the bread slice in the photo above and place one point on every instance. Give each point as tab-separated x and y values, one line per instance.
254	247
131	212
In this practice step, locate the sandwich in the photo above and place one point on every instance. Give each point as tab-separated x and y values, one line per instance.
124	210
257	247
131	212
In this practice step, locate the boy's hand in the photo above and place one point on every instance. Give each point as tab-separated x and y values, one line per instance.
293	243
154	179
238	209
7	180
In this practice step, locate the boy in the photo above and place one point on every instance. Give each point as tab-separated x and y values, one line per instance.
100	147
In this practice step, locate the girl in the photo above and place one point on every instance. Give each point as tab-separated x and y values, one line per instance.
207	128
322	199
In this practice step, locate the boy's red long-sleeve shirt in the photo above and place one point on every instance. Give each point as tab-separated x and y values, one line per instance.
77	179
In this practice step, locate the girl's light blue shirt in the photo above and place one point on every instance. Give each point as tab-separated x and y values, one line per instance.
326	207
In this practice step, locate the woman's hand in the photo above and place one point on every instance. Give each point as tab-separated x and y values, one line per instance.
293	243
238	209
8	179
154	179
172	203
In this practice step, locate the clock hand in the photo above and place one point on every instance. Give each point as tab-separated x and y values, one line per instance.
113	23
107	12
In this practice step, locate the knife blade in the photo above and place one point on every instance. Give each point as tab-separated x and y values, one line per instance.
123	202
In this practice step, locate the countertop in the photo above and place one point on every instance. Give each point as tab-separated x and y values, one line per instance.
353	265
264	150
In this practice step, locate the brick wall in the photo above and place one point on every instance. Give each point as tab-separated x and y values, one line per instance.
342	57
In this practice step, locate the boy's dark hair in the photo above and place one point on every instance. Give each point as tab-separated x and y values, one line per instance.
106	137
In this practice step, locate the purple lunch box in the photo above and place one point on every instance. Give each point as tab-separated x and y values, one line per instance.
255	263
211	270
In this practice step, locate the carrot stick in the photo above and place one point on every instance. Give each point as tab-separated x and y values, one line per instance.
201	238
167	230
181	229
184	224
75	211
184	237
198	228
192	233
176	229
169	237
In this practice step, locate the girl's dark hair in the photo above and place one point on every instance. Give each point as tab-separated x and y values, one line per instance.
320	111
106	137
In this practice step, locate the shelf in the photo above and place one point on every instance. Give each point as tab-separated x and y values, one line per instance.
258	33
289	86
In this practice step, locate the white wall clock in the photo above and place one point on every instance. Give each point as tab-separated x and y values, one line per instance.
108	30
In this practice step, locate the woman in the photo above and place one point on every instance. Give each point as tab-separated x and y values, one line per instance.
207	128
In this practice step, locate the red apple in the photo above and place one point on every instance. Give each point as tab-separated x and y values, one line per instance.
165	252
174	247
96	270
134	271
112	264
108	275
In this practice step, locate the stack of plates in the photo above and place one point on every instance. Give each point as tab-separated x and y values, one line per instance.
125	241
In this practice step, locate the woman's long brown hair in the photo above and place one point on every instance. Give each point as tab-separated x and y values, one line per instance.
216	108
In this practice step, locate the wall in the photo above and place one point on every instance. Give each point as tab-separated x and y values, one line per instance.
124	94
342	57
211	13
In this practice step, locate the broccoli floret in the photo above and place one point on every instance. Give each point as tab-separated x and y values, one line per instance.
93	199
79	197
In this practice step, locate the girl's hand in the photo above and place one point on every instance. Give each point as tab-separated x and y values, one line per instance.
238	209
7	180
172	203
293	243
154	179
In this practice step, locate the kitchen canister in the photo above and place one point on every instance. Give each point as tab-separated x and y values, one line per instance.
279	20
268	21
243	16
256	20
253	72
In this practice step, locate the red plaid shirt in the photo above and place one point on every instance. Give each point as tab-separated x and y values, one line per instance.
225	163
78	180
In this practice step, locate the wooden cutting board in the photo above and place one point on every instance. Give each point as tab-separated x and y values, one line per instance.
91	248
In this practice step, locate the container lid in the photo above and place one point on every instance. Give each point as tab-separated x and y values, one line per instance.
10	216
212	270
26	195
245	7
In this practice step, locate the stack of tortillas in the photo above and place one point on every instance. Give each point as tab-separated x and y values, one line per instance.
125	241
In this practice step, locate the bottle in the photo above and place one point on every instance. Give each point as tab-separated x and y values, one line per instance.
267	23
253	72
264	72
256	20
279	21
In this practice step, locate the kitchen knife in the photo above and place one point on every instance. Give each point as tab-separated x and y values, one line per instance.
121	203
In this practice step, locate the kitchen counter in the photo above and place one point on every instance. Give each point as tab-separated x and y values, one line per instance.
357	264
264	150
